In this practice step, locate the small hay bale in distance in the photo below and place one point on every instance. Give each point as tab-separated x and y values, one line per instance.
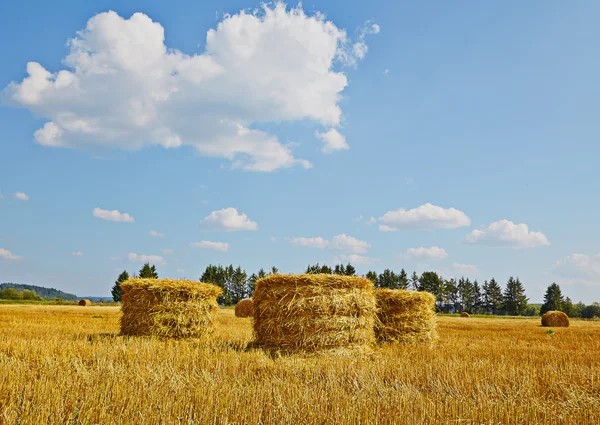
555	319
405	316
314	313
84	302
245	308
464	314
168	308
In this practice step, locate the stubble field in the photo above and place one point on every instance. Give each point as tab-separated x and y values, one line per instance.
67	365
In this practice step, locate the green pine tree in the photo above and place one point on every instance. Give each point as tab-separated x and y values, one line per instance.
402	280
515	301
553	299
117	291
148	272
492	296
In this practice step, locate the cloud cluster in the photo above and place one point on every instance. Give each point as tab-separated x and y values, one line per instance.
156	234
114	215
217	246
228	220
340	242
580	268
426	216
124	88
507	233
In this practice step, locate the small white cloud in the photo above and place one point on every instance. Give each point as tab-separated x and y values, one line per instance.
357	219
156	234
180	271
113	215
433	253
348	243
217	246
272	238
386	71
426	216
464	269
77	254
332	140
142	258
317	242
9	256
167	251
356	259
228	220
507	233
21	196
372	220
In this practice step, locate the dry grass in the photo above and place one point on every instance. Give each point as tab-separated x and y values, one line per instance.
169	308
245	308
314	312
555	319
405	316
67	365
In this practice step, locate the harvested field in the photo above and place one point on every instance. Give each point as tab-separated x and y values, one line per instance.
66	364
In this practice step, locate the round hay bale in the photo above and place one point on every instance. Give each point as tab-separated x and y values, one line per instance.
245	308
464	314
168	308
84	302
555	319
405	316
314	312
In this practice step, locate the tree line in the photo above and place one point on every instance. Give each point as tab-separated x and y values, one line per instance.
452	295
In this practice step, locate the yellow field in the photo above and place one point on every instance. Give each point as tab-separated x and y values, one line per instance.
66	365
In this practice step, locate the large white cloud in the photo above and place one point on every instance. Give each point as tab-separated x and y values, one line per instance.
507	233
123	87
317	242
142	258
7	255
114	215
433	252
426	216
228	220
579	268
217	246
349	244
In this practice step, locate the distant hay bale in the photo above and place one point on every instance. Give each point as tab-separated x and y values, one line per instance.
168	308
555	319
405	316
464	314
85	302
245	308
314	312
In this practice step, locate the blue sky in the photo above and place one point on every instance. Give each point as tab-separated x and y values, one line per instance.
468	131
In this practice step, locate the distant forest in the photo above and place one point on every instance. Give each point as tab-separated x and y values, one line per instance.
48	293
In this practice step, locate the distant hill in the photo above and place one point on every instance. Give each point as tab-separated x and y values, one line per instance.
49	293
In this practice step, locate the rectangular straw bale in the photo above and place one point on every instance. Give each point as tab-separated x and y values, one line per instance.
313	312
405	316
168	308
